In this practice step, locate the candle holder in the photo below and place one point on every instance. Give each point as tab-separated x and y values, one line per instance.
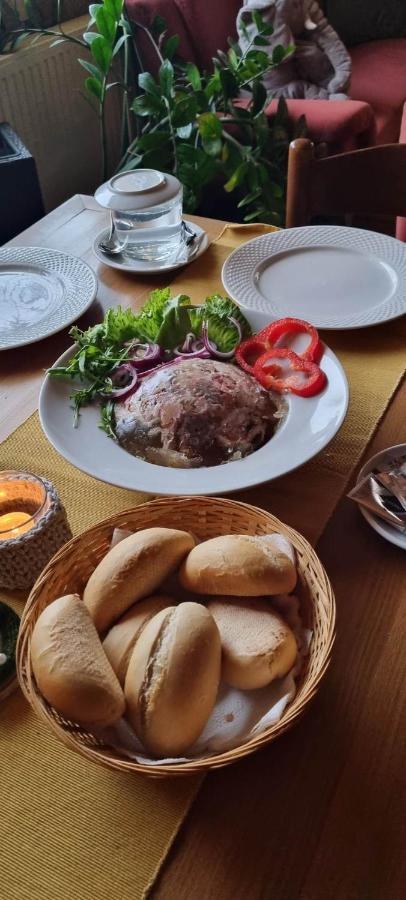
33	526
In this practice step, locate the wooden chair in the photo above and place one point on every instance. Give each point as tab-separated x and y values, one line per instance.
362	182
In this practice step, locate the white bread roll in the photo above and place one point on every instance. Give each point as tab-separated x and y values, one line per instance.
120	640
133	569
172	679
70	666
239	565
257	644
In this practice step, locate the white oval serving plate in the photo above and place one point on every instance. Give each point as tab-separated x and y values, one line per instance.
308	426
41	292
332	276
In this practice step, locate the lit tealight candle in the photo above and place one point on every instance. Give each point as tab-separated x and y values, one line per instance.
14	523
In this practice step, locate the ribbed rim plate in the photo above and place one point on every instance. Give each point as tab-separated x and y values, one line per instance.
334	277
41	292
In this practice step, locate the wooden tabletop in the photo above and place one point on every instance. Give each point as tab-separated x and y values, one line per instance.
321	813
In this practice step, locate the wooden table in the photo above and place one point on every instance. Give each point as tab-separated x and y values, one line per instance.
320	814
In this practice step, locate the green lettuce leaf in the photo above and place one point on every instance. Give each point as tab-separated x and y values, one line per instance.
216	311
163	319
119	325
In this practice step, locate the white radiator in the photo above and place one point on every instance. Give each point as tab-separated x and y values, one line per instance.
40	96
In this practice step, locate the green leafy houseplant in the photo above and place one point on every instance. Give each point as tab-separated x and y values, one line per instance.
206	128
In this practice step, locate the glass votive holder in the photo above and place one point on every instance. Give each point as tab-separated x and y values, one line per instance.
33	526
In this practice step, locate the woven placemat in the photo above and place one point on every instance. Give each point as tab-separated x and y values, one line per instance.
78	831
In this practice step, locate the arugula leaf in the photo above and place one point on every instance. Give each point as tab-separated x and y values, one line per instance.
108	420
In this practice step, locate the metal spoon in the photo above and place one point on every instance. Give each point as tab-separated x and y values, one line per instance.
111	245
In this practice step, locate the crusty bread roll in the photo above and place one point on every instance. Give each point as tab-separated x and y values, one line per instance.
70	666
239	565
119	641
257	644
133	569
172	678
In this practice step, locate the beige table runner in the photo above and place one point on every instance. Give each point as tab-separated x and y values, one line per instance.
78	832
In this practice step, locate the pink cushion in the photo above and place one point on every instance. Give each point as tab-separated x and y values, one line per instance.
343	124
379	78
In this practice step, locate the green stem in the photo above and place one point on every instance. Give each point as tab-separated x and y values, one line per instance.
48	32
102	126
151	39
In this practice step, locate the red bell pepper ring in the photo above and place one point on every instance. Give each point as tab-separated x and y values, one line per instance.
283	327
248	352
301	376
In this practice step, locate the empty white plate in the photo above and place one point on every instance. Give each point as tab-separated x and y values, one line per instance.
41	292
308	426
331	276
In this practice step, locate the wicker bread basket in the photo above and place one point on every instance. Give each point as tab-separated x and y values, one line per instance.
206	517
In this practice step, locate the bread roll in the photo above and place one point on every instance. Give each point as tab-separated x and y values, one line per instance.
257	644
239	565
133	569
172	679
119	641
70	666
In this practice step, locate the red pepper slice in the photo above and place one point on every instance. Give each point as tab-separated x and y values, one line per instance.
302	376
283	327
248	352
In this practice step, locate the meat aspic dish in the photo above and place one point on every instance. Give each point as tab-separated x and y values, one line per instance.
190	386
199	412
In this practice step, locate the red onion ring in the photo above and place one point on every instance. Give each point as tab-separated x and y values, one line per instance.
152	354
211	347
126	390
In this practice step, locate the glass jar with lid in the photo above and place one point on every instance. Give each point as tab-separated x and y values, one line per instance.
146	206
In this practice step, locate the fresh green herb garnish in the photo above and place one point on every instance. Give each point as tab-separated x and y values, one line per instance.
107	419
163	320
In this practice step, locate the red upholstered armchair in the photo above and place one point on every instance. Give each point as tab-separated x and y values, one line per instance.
378	85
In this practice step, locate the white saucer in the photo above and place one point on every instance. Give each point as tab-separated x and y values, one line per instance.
379	525
146	266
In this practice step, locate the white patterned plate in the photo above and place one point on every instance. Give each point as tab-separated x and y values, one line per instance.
387	531
331	276
308	426
41	292
146	266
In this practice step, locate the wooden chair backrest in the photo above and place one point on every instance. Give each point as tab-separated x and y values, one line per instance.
370	181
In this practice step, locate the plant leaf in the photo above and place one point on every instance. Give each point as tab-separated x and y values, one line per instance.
92	69
193	76
94	86
185	111
278	54
158	25
106	24
120	42
166	76
101	52
90	36
209	126
148	84
170	46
